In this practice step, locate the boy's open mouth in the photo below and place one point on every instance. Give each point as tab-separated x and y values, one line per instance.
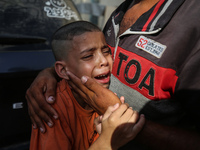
103	78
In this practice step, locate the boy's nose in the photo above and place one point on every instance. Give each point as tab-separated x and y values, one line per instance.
103	61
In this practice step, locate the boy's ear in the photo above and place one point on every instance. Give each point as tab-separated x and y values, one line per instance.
61	69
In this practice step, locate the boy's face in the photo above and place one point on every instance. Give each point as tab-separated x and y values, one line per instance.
90	56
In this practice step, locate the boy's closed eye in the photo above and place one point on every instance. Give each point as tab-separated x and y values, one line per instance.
87	57
107	51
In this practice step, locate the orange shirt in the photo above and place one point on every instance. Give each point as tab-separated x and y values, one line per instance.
74	130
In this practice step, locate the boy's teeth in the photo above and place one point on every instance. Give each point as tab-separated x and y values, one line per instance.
101	76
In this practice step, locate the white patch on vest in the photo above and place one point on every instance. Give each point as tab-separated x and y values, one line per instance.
150	46
109	33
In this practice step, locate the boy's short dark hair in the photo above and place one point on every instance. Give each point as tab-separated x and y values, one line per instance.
67	33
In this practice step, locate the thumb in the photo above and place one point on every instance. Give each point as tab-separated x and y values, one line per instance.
97	123
98	120
110	110
50	99
50	93
122	99
90	83
139	125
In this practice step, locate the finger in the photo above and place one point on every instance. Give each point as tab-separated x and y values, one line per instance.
39	99
33	123
39	123
77	82
128	116
109	111
78	86
84	96
122	99
134	117
77	89
50	99
97	123
41	126
38	111
98	120
50	110
91	84
139	125
35	119
44	108
32	120
97	96
89	96
50	92
120	111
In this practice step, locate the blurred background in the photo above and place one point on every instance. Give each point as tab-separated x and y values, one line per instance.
26	27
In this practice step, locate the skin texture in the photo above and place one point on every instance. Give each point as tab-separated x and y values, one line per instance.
99	100
87	56
38	103
117	122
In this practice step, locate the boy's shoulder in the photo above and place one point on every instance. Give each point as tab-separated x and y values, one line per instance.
62	85
66	102
63	97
